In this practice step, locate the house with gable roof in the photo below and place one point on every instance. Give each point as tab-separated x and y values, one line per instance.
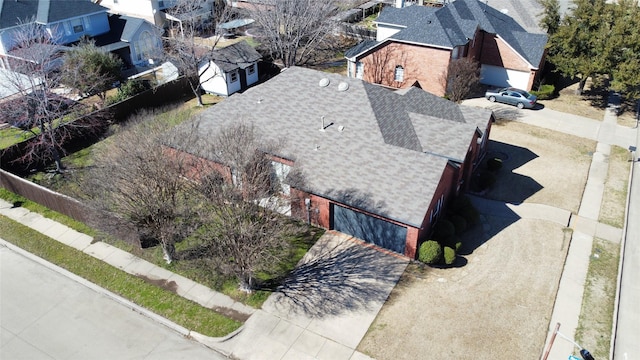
378	164
415	44
230	69
134	40
66	21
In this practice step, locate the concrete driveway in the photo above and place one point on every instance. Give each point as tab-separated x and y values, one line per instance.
561	122
47	315
324	309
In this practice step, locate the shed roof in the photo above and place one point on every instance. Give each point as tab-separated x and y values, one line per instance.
236	56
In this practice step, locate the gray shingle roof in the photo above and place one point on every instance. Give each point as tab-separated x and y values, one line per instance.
360	48
239	55
371	156
454	24
121	28
44	11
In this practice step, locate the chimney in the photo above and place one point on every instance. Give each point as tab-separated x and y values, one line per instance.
399	4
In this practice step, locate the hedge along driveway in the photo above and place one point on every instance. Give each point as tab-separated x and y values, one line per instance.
163	302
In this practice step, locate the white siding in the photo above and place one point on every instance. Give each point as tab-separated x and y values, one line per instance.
385	31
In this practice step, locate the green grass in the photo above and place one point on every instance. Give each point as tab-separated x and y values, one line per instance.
201	270
165	303
598	301
11	136
46	212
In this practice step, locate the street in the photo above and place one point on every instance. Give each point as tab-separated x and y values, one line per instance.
45	315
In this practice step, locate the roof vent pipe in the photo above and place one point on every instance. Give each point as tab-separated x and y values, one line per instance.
322	127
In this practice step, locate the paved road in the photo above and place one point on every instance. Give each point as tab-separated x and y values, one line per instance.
45	315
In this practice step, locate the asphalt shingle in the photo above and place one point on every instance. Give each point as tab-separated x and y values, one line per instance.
370	155
455	24
13	12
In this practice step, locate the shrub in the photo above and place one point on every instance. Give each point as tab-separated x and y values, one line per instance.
430	252
443	230
460	202
545	92
484	180
470	214
449	255
127	90
494	164
458	246
459	223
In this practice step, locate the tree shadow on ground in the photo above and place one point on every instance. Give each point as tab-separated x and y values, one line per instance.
509	188
337	276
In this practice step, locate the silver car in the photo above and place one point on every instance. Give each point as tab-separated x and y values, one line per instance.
512	96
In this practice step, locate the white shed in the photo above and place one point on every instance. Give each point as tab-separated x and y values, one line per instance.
230	69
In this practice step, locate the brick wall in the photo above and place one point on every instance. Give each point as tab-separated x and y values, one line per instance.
425	65
496	52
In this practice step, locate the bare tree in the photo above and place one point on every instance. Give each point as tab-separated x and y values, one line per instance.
48	118
245	226
145	184
382	66
185	48
462	76
293	29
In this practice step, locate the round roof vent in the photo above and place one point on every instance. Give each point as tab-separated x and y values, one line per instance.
324	82
343	86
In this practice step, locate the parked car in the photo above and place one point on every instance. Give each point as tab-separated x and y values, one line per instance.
512	96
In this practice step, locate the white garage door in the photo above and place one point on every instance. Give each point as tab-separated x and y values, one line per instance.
501	77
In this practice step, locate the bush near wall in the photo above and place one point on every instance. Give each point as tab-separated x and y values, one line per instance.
430	252
449	255
545	92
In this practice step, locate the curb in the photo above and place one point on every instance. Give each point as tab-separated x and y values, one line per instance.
155	317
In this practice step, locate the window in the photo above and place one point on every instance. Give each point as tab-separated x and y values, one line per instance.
398	74
359	69
144	47
234	76
77	26
251	69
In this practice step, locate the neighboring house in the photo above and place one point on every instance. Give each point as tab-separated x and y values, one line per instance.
158	12
415	44
378	164
66	20
230	69
136	41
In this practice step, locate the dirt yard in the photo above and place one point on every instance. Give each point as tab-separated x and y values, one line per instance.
498	302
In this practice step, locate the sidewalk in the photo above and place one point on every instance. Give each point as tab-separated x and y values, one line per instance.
585	226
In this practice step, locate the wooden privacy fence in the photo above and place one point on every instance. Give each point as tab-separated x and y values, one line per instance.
65	205
83	136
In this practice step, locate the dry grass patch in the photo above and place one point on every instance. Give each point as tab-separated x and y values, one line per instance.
598	302
498	306
614	199
540	165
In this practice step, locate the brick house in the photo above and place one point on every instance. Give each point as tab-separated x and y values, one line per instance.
415	44
378	164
